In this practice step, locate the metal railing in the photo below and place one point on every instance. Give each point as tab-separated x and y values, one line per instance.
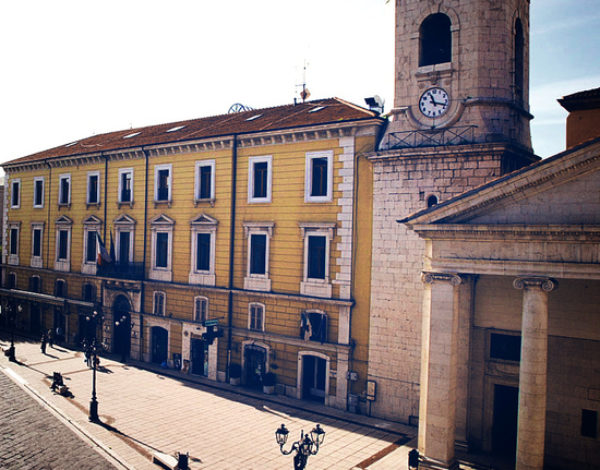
429	138
133	271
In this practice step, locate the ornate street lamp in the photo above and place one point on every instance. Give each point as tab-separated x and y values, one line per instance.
92	350
307	445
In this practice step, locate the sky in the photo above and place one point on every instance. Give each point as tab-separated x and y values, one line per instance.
73	68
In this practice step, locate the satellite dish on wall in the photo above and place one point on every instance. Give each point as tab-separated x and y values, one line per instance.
238	108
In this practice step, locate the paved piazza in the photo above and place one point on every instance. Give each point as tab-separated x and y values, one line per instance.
143	412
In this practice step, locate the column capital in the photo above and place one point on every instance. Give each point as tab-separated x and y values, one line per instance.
430	278
546	284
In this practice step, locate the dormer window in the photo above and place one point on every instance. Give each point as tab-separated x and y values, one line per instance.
435	40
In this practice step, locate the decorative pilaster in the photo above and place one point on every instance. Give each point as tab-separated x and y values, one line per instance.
439	370
531	426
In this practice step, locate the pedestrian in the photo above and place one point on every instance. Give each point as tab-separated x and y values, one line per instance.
43	341
50	338
88	357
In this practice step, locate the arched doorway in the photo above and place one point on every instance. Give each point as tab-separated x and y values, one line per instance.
159	338
122	326
255	360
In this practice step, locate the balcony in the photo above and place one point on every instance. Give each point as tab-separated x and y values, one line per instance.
429	138
132	271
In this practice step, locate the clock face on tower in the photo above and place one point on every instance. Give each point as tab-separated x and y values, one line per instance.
434	102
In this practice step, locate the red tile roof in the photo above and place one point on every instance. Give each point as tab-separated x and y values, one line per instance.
271	119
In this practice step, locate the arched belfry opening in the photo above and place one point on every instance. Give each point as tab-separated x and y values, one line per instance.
435	40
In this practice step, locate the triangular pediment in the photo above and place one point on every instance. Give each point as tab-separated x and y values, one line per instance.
203	220
92	220
162	219
63	220
124	219
561	190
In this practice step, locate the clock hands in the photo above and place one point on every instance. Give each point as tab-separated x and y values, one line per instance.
434	102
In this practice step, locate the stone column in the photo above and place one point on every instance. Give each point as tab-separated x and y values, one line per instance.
531	427
439	370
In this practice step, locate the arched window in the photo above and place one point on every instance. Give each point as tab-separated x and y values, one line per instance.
519	60
60	288
159	303
35	284
89	292
12	281
313	326
256	317
200	308
436	40
432	201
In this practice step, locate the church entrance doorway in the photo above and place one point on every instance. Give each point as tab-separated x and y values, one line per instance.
313	378
122	326
199	358
159	337
504	427
255	359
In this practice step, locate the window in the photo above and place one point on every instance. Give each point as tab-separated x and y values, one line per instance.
589	423
205	180
124	236
435	40
14	230
259	179
64	190
162	242
519	61
35	284
313	326
319	177
317	247
200	309
38	192
257	272
505	347
256	317
63	243
204	231
159	303
93	187
15	194
60	288
432	201
89	292
125	185
11	282
37	231
162	183
91	229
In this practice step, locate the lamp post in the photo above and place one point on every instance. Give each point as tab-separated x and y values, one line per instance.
93	348
11	318
307	445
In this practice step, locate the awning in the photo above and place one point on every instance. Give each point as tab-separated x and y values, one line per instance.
44	298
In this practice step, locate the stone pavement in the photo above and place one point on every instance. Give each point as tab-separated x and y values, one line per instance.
222	427
31	437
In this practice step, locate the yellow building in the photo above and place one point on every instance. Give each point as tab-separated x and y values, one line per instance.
254	225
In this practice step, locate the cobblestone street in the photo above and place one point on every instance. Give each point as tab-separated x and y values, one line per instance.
222	427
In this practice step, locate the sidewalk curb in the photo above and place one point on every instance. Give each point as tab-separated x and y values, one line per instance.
97	444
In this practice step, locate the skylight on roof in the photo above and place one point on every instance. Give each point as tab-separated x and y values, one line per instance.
133	134
317	109
176	128
252	118
71	144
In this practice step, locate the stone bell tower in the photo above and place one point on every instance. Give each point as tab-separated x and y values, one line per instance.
460	119
461	72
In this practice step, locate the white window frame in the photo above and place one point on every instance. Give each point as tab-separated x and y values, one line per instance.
251	162
16	182
203	224
90	224
37	261
35	181
310	156
261	282
123	171
155	304
199	164
63	223
87	191
62	177
197	315
162	224
13	258
124	223
157	168
262	308
312	286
